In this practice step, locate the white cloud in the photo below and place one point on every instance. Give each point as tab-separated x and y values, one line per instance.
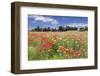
45	19
77	24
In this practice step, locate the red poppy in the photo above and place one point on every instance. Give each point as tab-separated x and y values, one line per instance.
77	54
44	38
33	34
62	48
47	45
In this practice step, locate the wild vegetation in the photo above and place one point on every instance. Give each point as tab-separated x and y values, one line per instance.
60	28
57	45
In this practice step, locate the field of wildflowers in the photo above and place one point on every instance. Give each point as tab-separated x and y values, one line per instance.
57	45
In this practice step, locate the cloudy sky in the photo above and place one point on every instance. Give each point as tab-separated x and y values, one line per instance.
55	21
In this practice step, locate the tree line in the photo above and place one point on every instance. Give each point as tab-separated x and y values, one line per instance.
60	28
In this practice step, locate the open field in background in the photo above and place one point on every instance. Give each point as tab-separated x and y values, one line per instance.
57	45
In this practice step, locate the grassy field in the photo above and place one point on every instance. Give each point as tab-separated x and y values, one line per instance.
57	45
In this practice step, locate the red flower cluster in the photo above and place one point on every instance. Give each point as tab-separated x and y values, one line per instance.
33	34
63	49
44	38
77	54
69	51
47	45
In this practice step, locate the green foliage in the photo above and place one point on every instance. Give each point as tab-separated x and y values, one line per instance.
33	54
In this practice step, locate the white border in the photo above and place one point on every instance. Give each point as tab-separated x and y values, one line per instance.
25	64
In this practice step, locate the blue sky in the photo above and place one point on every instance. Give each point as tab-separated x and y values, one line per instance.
55	21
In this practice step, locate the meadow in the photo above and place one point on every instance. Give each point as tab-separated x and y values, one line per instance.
57	45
